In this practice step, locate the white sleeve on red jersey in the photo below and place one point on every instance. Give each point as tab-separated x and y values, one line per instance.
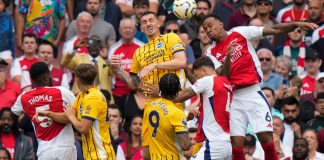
15	69
208	54
65	81
202	84
250	32
315	35
67	95
17	108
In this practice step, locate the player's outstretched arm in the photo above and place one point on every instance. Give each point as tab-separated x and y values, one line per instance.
186	94
283	28
184	141
130	79
191	77
226	69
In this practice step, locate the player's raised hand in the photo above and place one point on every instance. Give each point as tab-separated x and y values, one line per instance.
231	48
192	114
150	89
306	25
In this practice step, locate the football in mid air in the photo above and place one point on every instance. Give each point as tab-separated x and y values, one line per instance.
184	9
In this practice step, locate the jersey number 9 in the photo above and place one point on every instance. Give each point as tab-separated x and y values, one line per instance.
155	124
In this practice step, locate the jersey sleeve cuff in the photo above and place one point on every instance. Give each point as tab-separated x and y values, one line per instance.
88	118
180	50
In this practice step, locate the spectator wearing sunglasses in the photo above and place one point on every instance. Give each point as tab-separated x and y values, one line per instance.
270	79
173	26
295	48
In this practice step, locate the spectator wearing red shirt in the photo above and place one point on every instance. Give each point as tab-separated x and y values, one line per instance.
8	89
243	15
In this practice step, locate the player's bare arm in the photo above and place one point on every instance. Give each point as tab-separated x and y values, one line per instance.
186	94
179	62
58	117
146	153
82	126
184	141
226	69
190	76
130	79
283	28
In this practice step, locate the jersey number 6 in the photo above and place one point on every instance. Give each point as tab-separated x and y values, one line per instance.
155	124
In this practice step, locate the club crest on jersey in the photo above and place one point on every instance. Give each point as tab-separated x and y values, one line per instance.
159	45
218	55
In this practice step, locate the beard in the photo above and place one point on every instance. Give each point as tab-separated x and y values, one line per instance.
299	2
290	120
6	129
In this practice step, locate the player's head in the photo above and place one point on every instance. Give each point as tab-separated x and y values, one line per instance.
45	52
150	24
169	86
9	121
85	75
213	26
40	74
300	148
203	66
192	134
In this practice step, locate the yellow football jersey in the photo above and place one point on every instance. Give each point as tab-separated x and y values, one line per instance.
164	120
161	49
96	144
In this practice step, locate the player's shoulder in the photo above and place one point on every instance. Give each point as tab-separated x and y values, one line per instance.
170	36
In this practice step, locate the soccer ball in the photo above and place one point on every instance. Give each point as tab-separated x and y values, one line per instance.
184	9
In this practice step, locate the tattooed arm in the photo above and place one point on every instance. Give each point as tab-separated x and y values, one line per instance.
283	28
184	141
130	79
185	94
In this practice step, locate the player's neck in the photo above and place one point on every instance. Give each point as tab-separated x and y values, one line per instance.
223	35
151	38
85	88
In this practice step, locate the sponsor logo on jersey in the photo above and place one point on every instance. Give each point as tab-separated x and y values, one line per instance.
269	125
159	45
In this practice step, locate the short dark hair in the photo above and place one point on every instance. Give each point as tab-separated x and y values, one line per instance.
37	72
115	106
141	3
86	73
171	22
29	35
290	101
212	15
45	43
192	130
269	89
169	85
206	1
250	140
7	152
320	96
203	61
148	13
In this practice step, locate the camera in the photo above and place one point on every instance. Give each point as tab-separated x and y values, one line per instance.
93	42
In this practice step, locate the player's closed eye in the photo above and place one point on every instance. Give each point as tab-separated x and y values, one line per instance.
264	59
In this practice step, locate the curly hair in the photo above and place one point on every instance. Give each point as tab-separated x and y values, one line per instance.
169	85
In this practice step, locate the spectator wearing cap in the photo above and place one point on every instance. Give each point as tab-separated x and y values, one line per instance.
71	60
318	122
278	131
243	15
9	91
312	65
318	45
